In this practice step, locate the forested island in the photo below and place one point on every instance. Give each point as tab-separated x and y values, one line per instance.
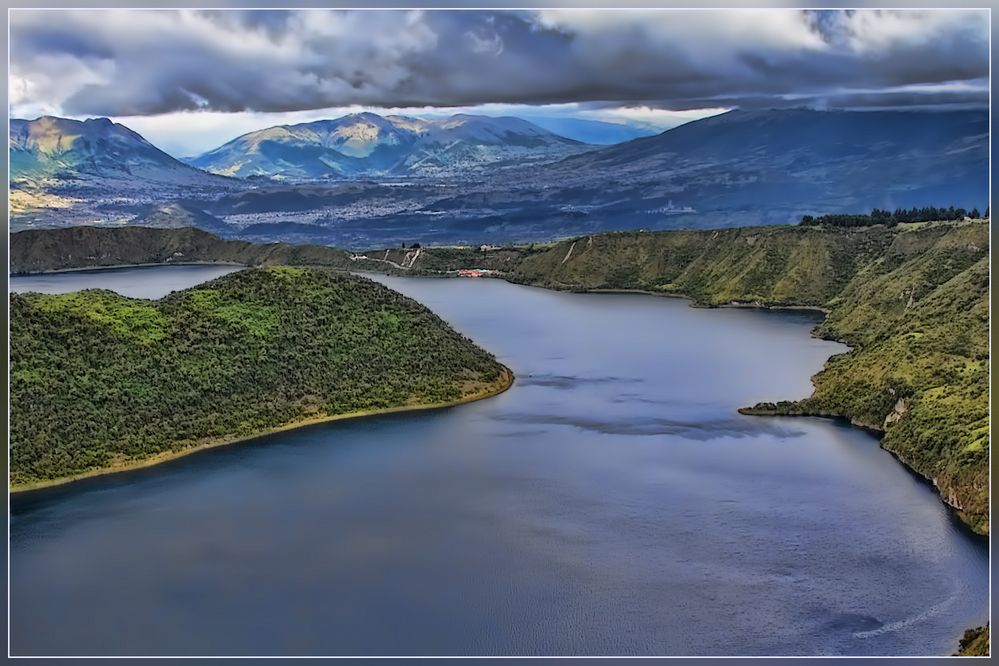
911	299
101	382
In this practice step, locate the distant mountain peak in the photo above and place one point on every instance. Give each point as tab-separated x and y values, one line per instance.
366	143
53	147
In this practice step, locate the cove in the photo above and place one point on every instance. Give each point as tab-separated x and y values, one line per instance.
611	502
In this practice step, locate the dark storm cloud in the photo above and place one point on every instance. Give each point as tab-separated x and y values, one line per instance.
137	62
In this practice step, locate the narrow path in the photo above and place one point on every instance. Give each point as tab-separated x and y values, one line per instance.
569	253
361	257
412	257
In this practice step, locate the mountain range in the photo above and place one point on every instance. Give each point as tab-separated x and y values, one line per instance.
771	166
366	144
365	180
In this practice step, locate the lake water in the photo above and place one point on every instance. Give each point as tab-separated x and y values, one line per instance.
137	282
611	502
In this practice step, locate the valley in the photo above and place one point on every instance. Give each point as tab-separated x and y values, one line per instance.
429	332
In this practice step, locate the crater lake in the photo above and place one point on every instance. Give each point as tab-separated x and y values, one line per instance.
612	501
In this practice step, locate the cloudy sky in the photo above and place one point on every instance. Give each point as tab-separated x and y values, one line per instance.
190	80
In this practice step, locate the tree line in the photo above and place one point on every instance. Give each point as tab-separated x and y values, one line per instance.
891	218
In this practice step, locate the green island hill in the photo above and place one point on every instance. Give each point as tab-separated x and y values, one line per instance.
100	382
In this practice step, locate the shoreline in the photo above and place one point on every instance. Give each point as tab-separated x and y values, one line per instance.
694	303
111	267
501	385
954	512
878	434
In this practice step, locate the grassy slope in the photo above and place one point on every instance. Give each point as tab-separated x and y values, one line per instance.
919	319
99	380
926	356
766	265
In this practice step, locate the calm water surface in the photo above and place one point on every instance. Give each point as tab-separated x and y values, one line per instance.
612	502
137	282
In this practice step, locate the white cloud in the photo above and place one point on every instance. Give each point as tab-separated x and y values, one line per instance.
649	117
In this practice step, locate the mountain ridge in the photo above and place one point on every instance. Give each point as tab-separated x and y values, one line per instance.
370	144
61	148
741	168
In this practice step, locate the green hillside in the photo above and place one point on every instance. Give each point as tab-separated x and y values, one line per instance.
778	265
919	319
102	381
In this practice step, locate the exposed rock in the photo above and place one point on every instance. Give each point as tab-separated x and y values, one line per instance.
901	407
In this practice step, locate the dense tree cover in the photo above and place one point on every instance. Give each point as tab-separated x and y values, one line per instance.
98	379
913	302
891	218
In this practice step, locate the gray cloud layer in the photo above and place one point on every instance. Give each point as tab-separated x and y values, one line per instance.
139	62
